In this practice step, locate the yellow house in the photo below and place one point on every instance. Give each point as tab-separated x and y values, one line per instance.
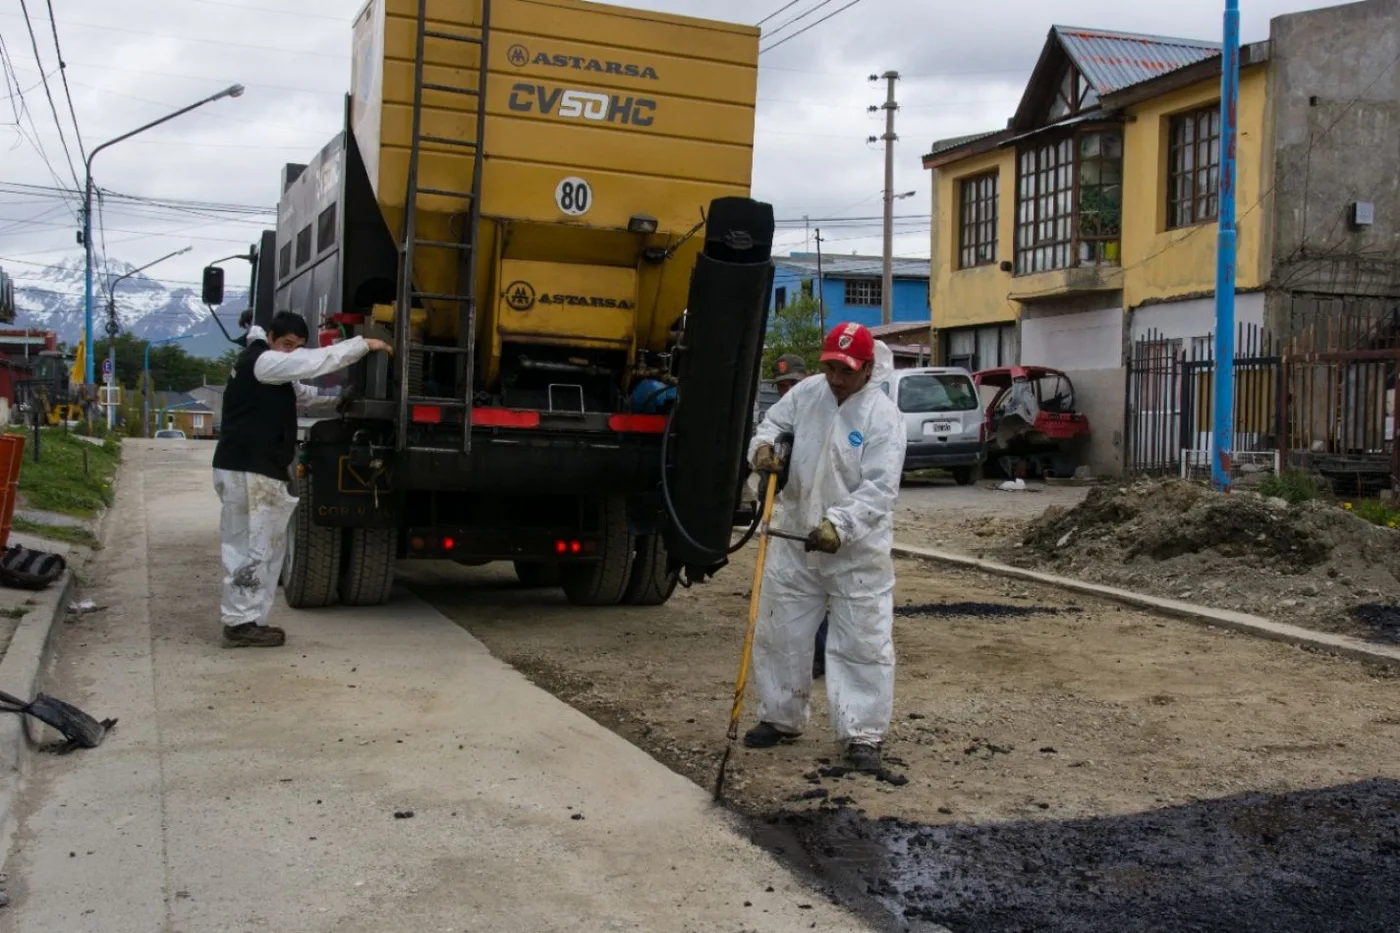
1089	220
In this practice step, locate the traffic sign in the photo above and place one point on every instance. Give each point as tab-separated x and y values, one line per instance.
107	367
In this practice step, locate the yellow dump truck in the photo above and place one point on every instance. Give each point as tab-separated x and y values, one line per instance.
544	204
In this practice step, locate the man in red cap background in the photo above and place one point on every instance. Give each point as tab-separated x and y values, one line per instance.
847	457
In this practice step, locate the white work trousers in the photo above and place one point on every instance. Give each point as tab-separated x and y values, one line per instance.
253	528
859	646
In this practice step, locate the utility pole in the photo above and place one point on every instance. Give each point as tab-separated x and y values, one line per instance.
1225	253
821	290
887	283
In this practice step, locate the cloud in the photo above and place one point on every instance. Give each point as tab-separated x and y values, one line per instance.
133	62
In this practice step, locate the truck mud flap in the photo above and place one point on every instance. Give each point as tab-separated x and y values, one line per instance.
726	321
349	493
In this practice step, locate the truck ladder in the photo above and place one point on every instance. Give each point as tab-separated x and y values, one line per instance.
465	249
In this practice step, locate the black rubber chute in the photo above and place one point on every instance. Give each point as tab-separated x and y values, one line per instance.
726	321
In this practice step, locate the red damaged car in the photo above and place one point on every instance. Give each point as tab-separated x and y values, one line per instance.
1032	420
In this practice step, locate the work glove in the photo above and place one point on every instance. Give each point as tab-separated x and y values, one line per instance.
767	460
824	538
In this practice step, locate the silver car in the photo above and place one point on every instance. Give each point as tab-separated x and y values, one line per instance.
944	418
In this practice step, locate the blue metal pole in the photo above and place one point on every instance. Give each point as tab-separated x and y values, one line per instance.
87	277
1225	254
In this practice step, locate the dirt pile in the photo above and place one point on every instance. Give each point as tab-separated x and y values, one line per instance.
1311	564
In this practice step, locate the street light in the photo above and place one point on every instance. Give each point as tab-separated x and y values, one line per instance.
112	324
233	90
146	384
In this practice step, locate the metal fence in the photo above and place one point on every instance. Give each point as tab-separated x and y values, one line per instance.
1326	405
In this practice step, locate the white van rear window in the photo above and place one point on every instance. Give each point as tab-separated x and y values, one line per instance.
937	392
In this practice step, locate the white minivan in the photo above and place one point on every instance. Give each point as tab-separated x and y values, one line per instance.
944	418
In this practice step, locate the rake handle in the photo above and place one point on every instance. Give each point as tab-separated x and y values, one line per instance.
742	682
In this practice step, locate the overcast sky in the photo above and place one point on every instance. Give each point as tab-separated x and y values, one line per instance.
132	61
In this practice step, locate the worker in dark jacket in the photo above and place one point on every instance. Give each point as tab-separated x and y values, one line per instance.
253	461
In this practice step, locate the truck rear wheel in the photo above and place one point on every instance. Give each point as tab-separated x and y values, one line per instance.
652	581
367	575
313	557
536	575
603	582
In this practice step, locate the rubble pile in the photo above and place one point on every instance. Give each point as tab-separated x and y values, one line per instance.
1311	564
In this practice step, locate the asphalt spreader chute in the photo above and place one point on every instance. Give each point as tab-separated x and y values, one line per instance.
722	350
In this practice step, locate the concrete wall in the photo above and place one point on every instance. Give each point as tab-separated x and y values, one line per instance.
1335	116
1193	318
1084	338
1083	341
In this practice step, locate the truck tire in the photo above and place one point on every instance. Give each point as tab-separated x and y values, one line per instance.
313	557
536	575
367	574
603	582
652	581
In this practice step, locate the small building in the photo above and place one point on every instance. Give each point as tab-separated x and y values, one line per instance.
908	341
181	412
852	286
1082	236
212	398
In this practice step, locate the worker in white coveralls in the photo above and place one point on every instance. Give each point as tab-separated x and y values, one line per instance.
847	457
253	461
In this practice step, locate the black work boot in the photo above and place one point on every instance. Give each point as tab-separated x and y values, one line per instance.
253	635
863	756
767	735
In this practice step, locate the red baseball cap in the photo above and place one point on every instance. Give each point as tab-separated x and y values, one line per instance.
850	344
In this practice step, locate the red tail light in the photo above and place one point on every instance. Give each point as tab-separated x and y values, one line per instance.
504	418
448	544
575	547
637	424
561	547
427	414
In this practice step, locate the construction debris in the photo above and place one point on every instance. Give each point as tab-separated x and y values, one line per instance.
1311	564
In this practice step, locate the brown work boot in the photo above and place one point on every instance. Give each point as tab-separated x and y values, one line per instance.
863	757
253	635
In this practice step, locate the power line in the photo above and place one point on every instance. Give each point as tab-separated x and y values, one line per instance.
22	113
62	73
48	92
799	17
138	233
789	4
808	27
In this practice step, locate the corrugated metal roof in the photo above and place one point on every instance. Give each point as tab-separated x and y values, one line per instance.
1112	61
943	145
855	267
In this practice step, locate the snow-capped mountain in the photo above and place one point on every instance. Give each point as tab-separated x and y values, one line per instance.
51	298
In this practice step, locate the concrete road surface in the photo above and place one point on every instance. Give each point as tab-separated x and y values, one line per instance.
381	772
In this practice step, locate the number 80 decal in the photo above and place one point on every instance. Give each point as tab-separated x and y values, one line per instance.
573	196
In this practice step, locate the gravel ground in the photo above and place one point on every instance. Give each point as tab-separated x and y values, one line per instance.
1025	719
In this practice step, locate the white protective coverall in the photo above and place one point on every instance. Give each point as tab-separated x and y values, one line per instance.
257	510
846	465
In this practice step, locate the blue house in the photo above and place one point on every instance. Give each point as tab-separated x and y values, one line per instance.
851	287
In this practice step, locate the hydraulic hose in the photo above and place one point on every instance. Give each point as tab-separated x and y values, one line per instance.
671	505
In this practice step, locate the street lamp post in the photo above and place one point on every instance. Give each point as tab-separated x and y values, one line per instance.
146	381
112	325
1224	420
233	90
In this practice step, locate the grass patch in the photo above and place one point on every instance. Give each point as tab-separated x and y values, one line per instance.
68	534
58	482
1295	487
1377	513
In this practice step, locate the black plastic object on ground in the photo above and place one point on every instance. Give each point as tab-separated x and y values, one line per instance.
80	729
726	319
25	569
